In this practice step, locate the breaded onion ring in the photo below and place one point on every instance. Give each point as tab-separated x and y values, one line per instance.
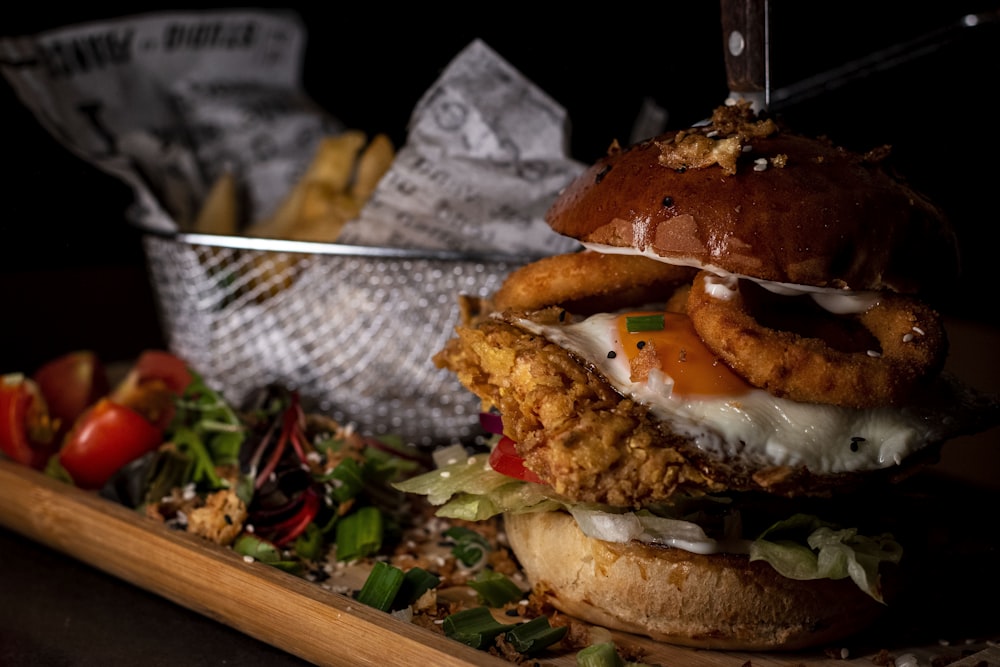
564	279
911	336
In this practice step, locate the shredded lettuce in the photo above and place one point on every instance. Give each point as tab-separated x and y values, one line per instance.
473	491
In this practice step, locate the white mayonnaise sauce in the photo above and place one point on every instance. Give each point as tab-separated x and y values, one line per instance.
837	301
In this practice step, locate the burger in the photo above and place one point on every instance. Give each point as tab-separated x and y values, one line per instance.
703	417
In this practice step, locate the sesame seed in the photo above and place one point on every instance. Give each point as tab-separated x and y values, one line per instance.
668	201
907	337
875	354
612	354
747	148
445	474
759	165
712	134
248	559
641	344
918	330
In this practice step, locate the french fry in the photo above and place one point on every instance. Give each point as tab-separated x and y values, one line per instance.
219	214
374	162
329	173
343	174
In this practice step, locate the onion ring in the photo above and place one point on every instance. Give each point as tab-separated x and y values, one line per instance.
591	278
910	333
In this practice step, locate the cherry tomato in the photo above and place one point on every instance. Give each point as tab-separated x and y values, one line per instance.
71	384
506	461
164	366
105	438
156	378
26	431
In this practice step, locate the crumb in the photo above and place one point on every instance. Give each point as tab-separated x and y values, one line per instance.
720	142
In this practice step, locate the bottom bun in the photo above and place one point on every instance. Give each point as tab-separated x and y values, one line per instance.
720	601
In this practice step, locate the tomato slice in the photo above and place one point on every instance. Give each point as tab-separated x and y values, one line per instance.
506	461
71	384
106	437
26	431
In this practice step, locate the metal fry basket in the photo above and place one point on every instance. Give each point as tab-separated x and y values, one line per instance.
351	328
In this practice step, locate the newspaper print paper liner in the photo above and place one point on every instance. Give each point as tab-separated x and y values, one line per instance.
353	334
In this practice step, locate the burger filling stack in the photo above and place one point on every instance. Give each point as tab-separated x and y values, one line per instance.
703	418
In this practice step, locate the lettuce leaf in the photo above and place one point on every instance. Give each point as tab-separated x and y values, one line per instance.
473	491
805	547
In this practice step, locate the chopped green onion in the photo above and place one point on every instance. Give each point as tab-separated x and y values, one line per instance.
495	589
359	534
604	655
263	551
534	635
416	582
474	627
309	544
599	655
469	547
637	323
348	481
381	586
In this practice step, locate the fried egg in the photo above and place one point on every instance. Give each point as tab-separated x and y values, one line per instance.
667	368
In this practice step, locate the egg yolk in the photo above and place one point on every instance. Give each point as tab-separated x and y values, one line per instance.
676	350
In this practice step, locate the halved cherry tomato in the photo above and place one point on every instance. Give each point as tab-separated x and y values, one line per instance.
162	365
105	438
151	385
71	384
27	434
506	461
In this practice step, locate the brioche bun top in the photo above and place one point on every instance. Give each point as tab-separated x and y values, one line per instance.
742	195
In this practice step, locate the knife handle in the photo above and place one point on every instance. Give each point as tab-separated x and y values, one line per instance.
745	34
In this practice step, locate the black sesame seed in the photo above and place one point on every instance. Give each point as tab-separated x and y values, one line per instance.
602	173
641	344
562	315
668	201
612	354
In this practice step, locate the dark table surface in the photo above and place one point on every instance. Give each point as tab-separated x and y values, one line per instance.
59	612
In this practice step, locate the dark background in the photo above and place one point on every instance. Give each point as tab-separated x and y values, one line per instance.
72	273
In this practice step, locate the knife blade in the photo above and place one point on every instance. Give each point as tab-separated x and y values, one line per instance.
746	45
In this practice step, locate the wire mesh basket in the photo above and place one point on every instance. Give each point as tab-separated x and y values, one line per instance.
351	328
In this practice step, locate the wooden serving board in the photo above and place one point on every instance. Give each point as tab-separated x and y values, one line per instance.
327	628
288	612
